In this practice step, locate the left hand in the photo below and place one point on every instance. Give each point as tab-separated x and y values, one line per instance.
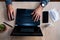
37	13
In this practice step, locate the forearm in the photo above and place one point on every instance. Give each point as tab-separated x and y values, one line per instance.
8	2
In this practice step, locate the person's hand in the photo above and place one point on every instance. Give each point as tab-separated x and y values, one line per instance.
37	13
10	11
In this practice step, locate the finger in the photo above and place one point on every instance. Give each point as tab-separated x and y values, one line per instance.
11	12
9	16
39	17
12	15
35	18
32	13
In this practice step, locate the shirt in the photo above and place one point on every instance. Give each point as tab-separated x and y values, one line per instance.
45	2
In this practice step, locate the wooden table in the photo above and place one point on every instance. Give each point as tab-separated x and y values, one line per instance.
49	33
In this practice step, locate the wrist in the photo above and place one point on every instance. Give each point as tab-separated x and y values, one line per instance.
42	4
40	7
10	5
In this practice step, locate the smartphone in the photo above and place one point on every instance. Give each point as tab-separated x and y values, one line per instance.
45	16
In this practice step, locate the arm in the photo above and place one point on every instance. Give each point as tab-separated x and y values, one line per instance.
38	11
10	10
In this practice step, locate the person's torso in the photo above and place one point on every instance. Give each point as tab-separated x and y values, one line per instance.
29	0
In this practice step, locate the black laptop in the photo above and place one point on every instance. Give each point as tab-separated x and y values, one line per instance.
25	25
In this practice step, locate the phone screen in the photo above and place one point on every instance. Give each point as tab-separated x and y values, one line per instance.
45	17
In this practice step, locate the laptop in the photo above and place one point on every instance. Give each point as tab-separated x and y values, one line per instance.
25	25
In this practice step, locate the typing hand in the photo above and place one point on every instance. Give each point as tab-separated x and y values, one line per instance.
37	13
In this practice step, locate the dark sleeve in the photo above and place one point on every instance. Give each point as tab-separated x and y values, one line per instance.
8	2
45	2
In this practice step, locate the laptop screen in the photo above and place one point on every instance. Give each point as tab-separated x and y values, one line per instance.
24	18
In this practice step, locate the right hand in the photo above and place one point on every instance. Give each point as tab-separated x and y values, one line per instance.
10	11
